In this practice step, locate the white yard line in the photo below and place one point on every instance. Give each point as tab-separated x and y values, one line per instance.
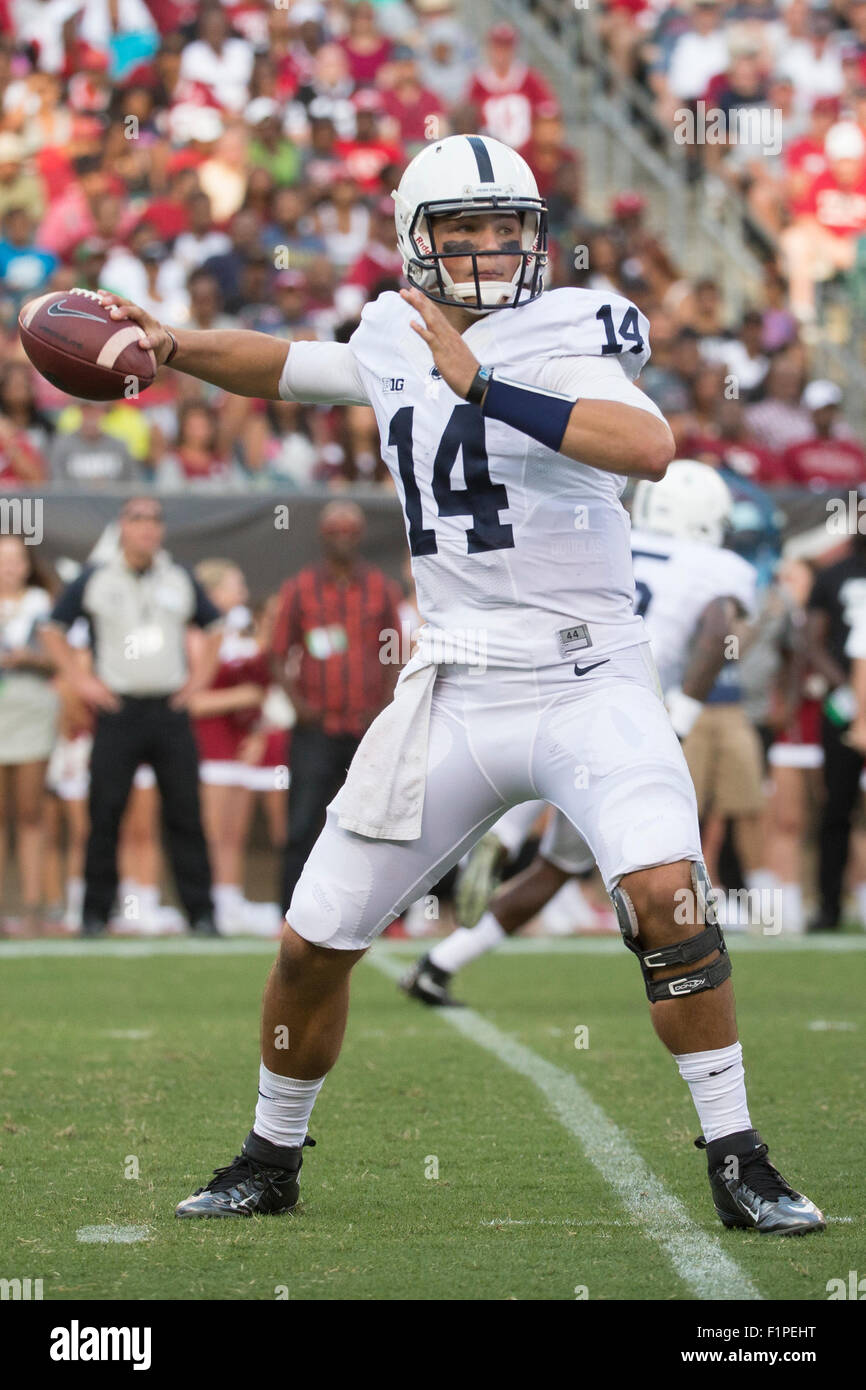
823	1025
111	1235
698	1258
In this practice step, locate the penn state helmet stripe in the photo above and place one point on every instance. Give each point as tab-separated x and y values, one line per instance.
482	159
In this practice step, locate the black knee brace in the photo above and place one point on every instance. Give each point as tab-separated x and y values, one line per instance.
683	952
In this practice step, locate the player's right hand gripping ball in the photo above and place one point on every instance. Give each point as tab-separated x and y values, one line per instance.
76	345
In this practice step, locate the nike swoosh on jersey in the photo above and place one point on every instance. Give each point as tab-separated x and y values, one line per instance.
582	670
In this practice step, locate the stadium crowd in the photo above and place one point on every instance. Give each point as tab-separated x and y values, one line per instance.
231	165
771	97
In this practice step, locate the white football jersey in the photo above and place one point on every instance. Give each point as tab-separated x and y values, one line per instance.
675	579
520	551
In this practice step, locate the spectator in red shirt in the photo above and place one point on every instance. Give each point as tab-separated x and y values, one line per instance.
365	48
546	152
506	93
806	158
73	217
367	155
380	258
826	459
329	630
416	115
223	716
728	443
821	242
21	464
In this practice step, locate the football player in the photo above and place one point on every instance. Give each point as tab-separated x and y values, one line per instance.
533	676
690	593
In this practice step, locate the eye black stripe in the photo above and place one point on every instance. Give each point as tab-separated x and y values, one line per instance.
482	159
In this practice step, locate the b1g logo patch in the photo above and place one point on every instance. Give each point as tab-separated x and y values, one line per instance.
393	383
573	639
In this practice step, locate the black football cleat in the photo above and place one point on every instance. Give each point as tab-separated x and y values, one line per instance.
261	1181
94	926
425	981
204	926
824	921
750	1193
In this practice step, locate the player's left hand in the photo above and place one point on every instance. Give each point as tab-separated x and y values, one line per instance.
153	335
454	359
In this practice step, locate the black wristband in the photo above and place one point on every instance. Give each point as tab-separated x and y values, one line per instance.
544	415
173	346
480	382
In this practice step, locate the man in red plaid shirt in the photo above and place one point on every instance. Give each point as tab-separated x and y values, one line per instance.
329	651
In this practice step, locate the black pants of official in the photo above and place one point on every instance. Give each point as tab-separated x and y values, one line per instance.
146	731
842	768
318	763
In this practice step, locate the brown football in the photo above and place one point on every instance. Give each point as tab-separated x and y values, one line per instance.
71	339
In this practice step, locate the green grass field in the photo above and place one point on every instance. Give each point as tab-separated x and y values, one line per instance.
117	1063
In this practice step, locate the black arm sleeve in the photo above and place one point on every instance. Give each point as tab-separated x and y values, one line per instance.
69	606
206	613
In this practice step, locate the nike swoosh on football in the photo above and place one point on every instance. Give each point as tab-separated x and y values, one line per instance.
582	670
58	311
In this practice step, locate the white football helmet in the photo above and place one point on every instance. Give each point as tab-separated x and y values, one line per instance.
466	173
691	501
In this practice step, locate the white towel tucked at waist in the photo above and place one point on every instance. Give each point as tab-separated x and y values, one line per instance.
383	795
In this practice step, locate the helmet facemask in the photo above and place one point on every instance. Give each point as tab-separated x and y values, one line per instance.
426	270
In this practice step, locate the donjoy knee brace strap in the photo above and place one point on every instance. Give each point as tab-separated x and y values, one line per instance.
682	952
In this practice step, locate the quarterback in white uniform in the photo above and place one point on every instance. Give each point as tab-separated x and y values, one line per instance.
690	593
510	422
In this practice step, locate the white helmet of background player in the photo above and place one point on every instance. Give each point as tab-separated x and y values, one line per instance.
691	501
470	173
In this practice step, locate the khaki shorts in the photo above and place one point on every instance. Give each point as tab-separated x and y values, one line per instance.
725	758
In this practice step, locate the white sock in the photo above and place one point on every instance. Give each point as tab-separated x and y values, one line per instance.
793	917
758	879
74	894
127	888
764	897
467	943
717	1082
148	899
227	894
284	1107
860	895
228	902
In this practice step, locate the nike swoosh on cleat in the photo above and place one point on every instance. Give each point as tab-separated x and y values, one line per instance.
582	670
